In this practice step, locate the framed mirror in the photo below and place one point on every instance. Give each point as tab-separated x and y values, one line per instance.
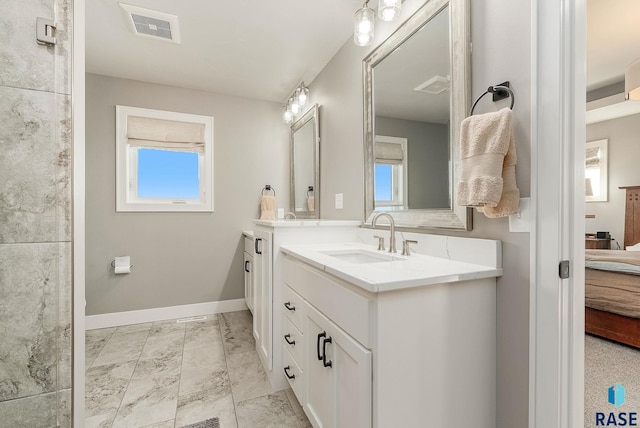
305	165
416	93
596	173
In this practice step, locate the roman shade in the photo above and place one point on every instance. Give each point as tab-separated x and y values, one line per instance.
165	134
389	153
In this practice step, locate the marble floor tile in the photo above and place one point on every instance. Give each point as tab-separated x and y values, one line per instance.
248	378
154	368
202	357
104	420
200	334
163	424
105	386
270	411
160	328
122	346
134	327
168	346
200	406
297	409
148	401
212	378
237	332
95	340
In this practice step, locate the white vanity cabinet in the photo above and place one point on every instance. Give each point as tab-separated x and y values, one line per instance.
268	317
249	283
409	356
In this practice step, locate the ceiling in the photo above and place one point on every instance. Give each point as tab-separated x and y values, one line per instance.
613	40
255	49
263	49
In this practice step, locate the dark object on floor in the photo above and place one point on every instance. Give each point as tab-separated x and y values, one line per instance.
209	423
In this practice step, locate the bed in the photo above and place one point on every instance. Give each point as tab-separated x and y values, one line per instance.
612	295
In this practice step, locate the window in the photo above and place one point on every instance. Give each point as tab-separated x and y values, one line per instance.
164	161
390	173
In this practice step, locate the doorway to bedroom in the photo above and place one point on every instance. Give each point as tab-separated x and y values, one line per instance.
612	223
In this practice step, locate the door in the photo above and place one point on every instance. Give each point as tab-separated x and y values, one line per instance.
338	375
248	280
262	319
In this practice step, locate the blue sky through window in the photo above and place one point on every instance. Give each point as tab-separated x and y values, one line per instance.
382	182
168	174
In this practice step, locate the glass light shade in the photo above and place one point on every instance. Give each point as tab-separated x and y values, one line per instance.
303	95
388	10
364	26
632	81
295	106
287	116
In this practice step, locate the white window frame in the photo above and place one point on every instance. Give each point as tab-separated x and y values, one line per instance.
399	178
126	166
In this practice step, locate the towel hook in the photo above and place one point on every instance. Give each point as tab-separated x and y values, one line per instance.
267	188
309	190
499	92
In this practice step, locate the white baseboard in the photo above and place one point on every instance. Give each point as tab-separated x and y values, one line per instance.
115	319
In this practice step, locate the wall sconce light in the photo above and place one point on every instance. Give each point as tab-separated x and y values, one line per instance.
364	21
632	81
295	104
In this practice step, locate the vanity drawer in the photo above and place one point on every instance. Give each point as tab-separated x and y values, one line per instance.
248	245
293	307
293	341
294	375
340	301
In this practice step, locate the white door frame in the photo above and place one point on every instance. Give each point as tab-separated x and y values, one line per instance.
556	358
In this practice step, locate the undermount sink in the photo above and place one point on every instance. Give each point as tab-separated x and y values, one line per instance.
361	256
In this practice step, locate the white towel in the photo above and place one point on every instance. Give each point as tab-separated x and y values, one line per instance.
267	207
484	142
311	203
510	201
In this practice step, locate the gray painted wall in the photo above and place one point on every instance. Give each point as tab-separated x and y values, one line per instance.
178	258
624	151
339	90
428	159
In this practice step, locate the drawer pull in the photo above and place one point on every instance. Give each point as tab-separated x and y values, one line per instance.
289	306
256	245
246	266
324	352
286	372
286	339
320	335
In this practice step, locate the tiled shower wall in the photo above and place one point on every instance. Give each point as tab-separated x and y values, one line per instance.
35	217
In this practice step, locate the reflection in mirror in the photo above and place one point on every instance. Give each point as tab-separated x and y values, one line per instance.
305	171
595	173
416	95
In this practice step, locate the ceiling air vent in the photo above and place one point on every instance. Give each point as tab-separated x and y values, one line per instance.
435	85
149	23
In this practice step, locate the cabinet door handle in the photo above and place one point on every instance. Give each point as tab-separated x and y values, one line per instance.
320	335
246	266
286	372
257	250
289	306
324	352
286	339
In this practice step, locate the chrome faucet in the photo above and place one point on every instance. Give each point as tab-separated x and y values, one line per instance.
392	230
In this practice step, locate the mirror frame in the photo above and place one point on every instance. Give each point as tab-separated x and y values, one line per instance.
456	217
313	114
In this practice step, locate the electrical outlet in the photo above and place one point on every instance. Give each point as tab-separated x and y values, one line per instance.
339	201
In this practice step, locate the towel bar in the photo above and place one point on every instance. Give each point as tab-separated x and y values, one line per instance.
267	188
499	92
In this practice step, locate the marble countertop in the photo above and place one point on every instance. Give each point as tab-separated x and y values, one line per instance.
307	223
248	233
403	272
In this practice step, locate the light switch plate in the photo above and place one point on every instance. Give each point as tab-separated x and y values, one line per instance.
339	201
280	213
521	222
